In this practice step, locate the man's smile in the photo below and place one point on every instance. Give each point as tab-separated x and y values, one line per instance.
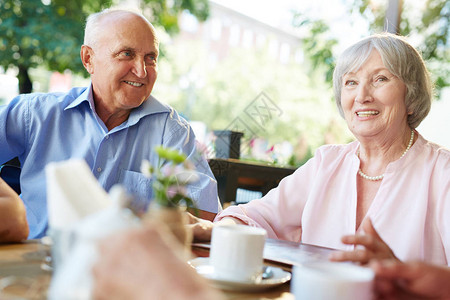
137	84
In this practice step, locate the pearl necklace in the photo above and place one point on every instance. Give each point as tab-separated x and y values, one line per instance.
379	177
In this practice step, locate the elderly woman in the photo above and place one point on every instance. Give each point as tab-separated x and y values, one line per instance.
388	192
13	220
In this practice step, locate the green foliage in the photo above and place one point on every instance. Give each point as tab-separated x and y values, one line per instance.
431	34
218	93
429	25
165	13
34	34
317	45
170	180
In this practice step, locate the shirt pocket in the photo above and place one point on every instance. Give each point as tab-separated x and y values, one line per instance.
139	187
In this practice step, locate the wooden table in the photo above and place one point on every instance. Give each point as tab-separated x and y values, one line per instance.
23	262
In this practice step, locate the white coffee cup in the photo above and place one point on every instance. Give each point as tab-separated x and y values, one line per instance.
237	252
330	280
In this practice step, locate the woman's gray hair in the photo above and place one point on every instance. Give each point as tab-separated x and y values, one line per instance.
94	29
402	60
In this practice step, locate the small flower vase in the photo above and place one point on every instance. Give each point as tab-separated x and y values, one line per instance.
175	220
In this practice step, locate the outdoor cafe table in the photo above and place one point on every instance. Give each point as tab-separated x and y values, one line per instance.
26	261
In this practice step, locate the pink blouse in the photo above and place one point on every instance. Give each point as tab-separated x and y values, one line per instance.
317	204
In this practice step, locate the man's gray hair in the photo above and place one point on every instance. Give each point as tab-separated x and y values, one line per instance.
93	28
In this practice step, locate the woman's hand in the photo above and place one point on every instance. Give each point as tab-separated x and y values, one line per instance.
374	246
411	280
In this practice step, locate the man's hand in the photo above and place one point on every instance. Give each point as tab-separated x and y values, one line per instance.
411	280
201	228
374	246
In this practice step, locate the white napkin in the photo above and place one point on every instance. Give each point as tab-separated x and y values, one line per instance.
73	278
73	193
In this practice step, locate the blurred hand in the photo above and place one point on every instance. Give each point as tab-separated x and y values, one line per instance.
13	216
411	280
201	228
144	264
374	246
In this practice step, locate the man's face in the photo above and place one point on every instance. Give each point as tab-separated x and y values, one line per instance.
123	63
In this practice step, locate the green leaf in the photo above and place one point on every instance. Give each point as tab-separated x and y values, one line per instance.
51	35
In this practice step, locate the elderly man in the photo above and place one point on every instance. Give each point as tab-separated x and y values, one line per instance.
113	124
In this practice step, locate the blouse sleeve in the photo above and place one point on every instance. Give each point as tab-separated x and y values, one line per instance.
279	211
442	190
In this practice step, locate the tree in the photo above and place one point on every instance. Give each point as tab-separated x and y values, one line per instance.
33	33
428	24
219	94
50	32
317	44
430	35
165	12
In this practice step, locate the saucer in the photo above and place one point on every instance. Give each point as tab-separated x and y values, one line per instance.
203	267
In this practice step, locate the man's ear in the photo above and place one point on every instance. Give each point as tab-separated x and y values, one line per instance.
87	55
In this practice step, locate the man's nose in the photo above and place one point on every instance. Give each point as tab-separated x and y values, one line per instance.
139	68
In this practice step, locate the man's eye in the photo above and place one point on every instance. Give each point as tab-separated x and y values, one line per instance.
150	59
126	54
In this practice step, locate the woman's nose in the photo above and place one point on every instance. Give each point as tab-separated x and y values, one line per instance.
363	93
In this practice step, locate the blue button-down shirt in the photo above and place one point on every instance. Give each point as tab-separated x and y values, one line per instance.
43	128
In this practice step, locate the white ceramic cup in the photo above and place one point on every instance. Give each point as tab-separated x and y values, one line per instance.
330	280
237	252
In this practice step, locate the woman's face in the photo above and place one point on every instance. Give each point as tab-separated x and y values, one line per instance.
373	100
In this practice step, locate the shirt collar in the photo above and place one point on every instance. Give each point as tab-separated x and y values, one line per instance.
85	96
149	107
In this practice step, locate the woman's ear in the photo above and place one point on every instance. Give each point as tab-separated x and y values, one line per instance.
87	55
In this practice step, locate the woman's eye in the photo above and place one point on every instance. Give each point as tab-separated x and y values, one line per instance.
350	82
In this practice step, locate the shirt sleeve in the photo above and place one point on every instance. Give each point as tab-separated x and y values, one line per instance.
204	190
280	211
14	120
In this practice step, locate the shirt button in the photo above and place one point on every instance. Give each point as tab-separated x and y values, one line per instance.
99	170
107	137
